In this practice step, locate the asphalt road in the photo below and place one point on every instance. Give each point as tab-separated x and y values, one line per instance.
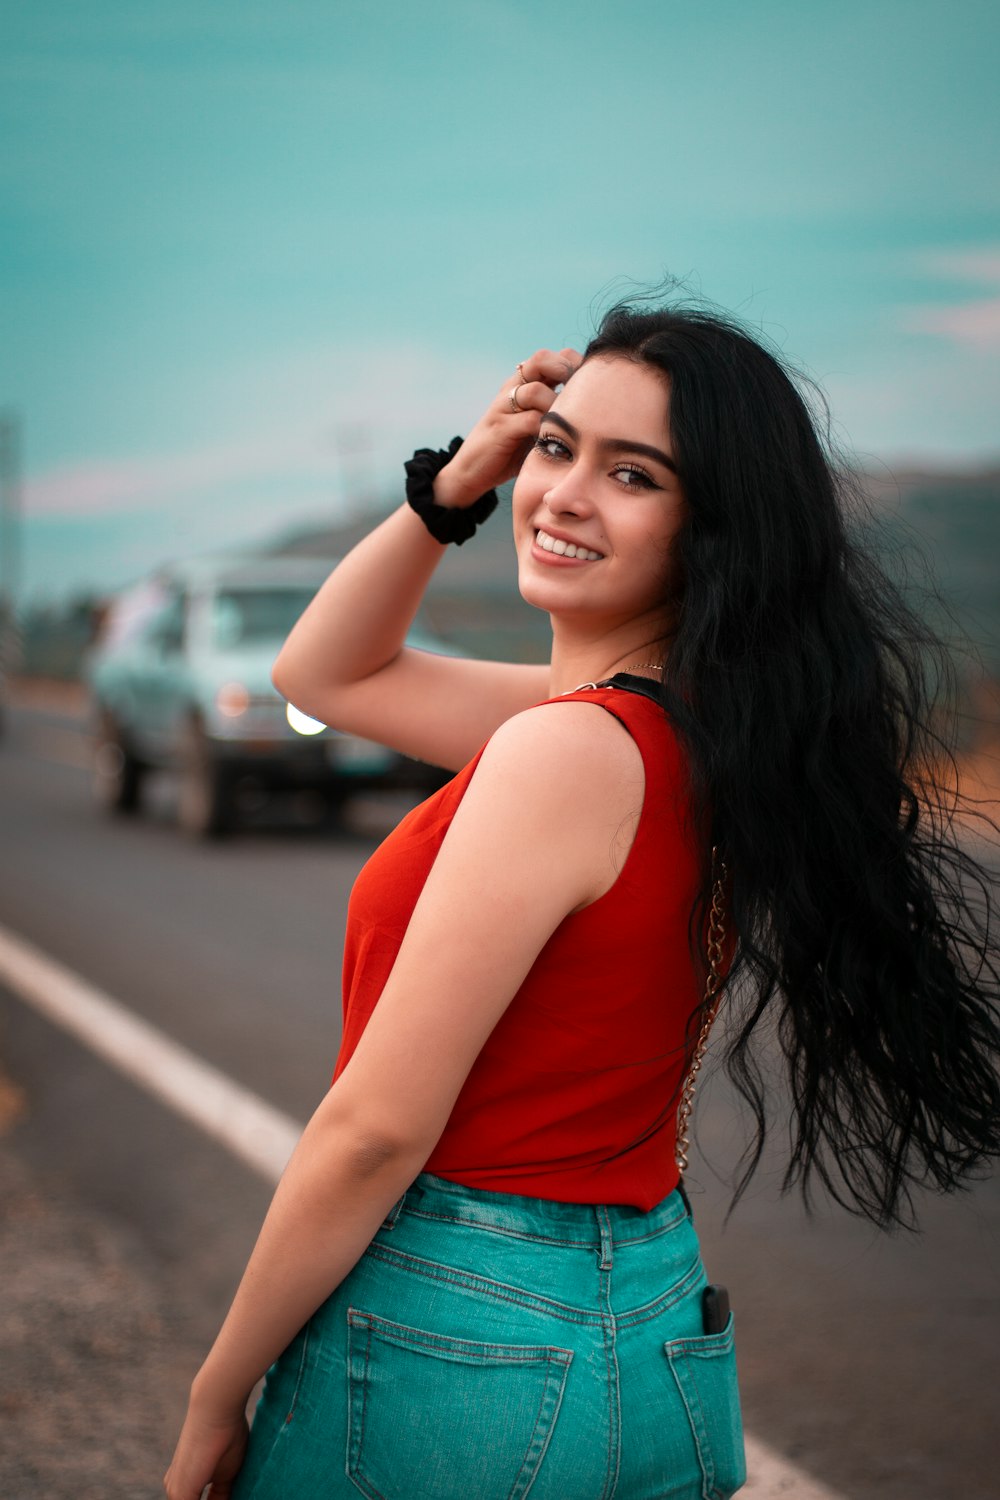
873	1362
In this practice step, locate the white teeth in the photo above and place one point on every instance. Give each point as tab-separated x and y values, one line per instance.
565	549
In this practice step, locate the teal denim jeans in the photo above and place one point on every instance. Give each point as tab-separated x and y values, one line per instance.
489	1346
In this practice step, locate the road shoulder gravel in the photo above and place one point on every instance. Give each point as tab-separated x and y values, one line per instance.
94	1353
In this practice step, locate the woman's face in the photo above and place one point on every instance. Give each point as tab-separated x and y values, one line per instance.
597	502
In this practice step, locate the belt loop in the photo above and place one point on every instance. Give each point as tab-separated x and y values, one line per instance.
389	1222
607	1238
682	1192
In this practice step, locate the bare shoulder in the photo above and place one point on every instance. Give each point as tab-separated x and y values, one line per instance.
566	749
556	800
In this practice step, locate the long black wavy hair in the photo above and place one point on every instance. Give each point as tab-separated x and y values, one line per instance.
807	692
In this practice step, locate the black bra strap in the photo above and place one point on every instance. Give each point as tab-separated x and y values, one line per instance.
644	686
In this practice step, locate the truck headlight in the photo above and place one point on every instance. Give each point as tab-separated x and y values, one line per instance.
232	699
302	723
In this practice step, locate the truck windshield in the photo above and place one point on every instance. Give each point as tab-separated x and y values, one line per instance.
243	615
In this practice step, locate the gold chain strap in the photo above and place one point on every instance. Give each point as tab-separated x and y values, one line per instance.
713	984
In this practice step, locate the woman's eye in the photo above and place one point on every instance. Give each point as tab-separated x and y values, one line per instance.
632	478
550	447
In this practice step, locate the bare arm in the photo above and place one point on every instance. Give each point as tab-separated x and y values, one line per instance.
554	844
345	662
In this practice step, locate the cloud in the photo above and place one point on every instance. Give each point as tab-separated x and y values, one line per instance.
974	324
105	486
388	387
965	265
336	417
932	410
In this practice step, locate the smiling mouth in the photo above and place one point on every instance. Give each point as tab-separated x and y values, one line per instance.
565	549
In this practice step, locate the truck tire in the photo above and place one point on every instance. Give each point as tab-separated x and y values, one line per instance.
205	808
117	776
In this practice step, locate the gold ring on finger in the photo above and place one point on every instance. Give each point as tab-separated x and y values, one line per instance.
520	371
515	405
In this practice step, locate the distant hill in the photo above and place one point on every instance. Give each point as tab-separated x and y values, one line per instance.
954	519
473	598
944	522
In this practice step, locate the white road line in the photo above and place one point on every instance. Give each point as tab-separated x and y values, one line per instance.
249	1127
772	1477
246	1125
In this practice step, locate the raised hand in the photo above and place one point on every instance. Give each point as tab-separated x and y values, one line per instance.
495	448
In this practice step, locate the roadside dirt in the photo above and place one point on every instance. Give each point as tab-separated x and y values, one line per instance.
48	695
979	776
92	1356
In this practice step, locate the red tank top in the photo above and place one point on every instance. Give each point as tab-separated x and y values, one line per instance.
573	1097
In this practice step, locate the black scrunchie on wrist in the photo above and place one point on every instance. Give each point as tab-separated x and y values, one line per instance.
446	523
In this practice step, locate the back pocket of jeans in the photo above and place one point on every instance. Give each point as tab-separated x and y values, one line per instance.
438	1416
705	1371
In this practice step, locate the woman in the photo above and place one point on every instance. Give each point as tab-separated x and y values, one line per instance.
478	1274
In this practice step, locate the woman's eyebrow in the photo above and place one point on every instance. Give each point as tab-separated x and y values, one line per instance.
615	445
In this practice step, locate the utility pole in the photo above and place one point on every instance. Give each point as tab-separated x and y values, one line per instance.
353	441
10	548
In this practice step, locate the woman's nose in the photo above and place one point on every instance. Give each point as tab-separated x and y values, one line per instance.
571	493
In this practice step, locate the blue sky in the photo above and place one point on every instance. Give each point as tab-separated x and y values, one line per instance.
251	255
